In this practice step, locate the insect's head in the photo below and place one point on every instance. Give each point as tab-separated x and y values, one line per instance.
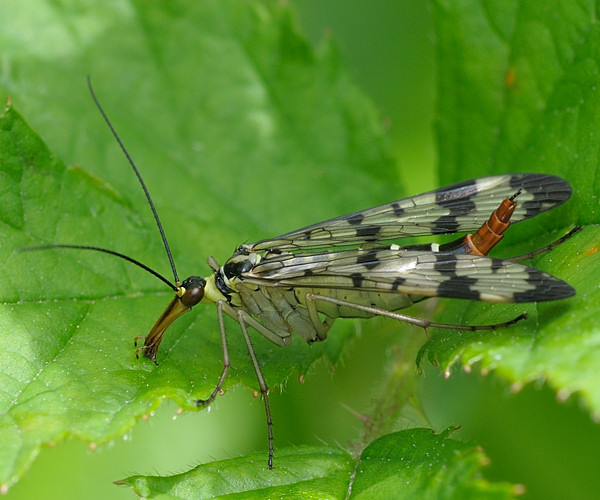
188	293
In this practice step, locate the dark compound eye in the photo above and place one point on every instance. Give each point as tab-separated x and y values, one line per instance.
194	290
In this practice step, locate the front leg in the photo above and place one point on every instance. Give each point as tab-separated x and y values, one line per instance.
226	362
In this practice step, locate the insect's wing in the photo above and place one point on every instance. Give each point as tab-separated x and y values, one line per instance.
461	207
430	274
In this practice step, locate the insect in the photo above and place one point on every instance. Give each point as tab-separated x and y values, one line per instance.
301	281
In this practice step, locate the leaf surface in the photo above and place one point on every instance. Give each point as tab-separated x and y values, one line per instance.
406	464
217	131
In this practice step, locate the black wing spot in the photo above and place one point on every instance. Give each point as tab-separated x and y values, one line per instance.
355	219
368	232
368	259
398	210
455	286
458	287
357	280
398	282
445	224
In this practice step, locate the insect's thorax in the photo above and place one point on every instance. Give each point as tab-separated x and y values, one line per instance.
222	285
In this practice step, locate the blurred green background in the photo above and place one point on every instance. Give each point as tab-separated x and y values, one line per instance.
389	47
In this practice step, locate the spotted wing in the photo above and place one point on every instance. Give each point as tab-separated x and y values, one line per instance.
462	207
433	274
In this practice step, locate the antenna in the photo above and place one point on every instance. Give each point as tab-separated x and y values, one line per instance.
110	252
146	192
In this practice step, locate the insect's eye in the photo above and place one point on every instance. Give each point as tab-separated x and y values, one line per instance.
194	291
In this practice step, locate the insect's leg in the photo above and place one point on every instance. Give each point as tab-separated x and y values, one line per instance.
549	247
242	316
321	327
212	263
282	339
423	323
226	363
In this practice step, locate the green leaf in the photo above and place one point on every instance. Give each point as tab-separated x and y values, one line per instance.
242	131
408	464
518	92
553	345
250	109
302	472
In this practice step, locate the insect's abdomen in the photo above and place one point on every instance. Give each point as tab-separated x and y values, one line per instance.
278	310
284	311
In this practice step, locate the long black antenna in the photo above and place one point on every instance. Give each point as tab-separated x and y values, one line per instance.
110	252
146	192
